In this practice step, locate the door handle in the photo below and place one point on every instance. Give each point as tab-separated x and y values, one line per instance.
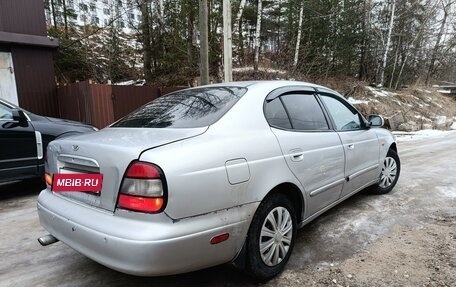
351	146
297	156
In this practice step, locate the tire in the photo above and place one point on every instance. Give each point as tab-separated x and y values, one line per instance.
389	175
278	244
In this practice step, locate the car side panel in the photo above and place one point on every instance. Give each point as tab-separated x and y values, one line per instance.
197	177
317	160
362	159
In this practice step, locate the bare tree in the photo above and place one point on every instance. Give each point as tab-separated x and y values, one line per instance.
237	23
388	42
298	38
257	36
365	22
146	39
446	8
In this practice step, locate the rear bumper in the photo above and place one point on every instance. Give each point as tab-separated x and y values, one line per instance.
146	246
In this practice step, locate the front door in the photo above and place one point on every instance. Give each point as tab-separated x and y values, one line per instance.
361	145
18	147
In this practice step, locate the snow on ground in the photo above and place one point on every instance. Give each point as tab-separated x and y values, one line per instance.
425	91
380	93
356	102
440	120
410	136
269	70
422	118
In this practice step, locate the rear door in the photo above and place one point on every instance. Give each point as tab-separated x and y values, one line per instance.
312	150
360	143
18	147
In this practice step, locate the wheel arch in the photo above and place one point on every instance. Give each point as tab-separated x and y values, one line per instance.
393	146
294	194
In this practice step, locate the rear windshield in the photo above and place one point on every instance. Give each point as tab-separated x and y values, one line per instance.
184	109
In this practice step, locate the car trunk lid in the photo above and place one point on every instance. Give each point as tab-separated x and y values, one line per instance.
108	152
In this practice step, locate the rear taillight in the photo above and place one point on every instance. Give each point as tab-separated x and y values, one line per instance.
48	178
143	188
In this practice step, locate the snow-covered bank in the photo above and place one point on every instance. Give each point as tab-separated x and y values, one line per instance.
410	136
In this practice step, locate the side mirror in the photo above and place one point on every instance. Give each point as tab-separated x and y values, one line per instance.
19	115
376	121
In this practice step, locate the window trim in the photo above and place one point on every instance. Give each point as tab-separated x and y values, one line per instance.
303	90
344	102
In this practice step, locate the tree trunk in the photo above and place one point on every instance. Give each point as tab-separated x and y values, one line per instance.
395	62
388	42
190	31
430	71
238	29
298	38
237	23
53	14
257	36
65	18
204	42
364	63
146	40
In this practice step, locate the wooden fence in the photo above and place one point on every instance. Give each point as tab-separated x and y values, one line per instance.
101	105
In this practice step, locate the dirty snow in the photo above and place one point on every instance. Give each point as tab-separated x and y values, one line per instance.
380	93
247	69
410	136
448	191
353	101
422	118
440	120
425	91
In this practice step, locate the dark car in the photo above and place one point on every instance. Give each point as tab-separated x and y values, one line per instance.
23	138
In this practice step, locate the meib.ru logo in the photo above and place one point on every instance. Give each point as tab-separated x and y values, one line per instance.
87	182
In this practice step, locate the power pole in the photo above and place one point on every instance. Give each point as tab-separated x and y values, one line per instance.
204	46
227	49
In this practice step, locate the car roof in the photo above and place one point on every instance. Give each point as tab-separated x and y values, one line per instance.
5	102
273	84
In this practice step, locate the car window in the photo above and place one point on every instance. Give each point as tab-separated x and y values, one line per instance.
276	115
344	118
5	112
305	112
184	109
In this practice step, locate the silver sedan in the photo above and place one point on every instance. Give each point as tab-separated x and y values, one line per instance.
213	174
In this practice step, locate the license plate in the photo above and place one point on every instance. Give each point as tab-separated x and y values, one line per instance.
78	182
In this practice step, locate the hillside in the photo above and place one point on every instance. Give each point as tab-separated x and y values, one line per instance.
412	108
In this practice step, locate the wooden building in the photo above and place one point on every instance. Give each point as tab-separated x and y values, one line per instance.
26	63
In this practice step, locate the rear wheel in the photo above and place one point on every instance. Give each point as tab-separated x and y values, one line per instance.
271	237
390	173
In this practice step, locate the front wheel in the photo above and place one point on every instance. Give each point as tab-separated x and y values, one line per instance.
271	237
390	173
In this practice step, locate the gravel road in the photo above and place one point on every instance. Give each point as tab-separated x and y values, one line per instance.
405	238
